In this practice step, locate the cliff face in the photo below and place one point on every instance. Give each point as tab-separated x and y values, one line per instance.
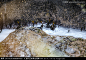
71	13
25	11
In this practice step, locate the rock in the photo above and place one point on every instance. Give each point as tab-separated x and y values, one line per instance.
25	42
59	38
28	42
69	50
67	15
72	46
58	45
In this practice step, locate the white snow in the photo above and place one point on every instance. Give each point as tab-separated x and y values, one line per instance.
5	33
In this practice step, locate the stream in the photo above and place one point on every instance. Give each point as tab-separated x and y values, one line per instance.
64	31
58	31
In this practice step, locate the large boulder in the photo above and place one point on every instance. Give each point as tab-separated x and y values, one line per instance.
27	42
33	42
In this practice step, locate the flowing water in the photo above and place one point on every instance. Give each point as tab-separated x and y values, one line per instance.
5	33
64	31
58	31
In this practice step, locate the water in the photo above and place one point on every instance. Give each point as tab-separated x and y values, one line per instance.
5	33
64	31
58	31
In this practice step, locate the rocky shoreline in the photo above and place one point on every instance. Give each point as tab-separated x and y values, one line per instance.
33	42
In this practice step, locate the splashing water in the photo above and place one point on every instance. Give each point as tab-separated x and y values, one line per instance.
5	33
64	31
58	31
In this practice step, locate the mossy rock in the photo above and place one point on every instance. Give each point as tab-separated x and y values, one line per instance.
80	39
61	41
73	39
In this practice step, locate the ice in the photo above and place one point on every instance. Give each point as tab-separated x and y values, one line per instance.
5	33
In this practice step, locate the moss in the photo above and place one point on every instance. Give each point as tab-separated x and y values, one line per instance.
43	34
38	30
61	41
80	39
73	39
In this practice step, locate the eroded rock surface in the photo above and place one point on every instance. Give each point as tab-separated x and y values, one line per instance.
33	42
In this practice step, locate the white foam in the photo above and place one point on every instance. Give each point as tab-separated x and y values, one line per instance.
58	31
5	33
64	31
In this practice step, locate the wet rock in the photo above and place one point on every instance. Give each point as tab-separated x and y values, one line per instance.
25	42
58	45
29	42
58	38
69	50
74	47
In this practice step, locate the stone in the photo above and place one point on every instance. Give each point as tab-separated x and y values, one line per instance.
69	50
27	42
28	10
22	44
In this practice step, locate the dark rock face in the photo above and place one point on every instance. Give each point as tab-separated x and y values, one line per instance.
71	14
64	14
